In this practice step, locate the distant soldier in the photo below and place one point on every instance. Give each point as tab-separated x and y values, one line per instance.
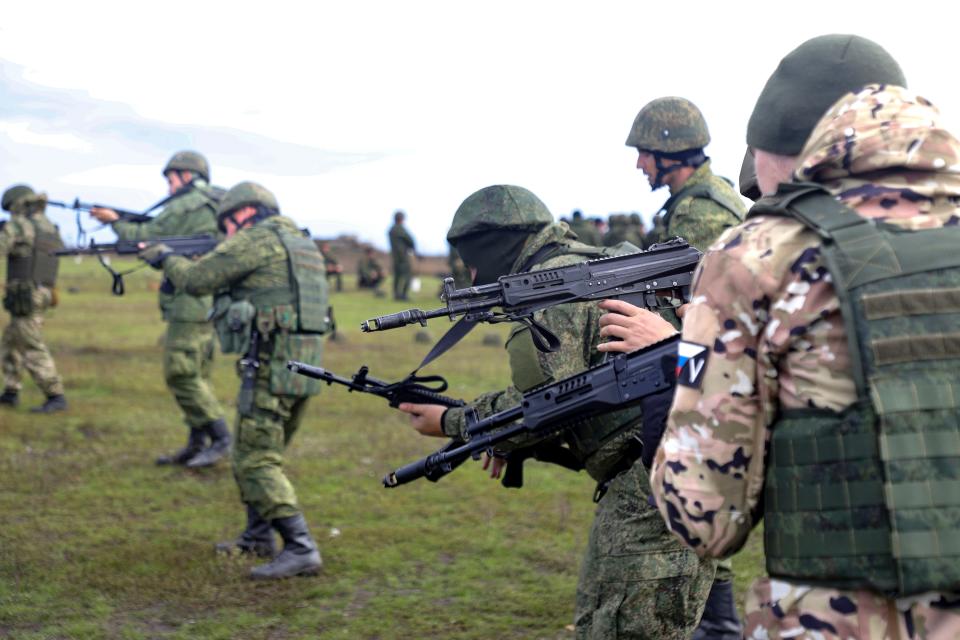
459	271
271	307
332	265
669	135
585	229
617	231
27	241
635	234
370	273
402	247
188	346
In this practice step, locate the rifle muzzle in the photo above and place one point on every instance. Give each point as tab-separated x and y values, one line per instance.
400	319
407	473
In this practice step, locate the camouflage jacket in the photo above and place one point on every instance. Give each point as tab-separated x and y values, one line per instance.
192	213
577	327
401	243
698	219
765	308
17	235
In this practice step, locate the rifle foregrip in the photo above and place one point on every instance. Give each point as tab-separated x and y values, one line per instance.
431	397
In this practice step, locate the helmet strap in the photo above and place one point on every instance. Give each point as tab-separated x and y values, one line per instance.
686	158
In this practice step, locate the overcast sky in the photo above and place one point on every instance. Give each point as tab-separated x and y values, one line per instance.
350	110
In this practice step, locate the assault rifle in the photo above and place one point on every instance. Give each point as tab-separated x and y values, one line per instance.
188	246
412	389
126	216
663	270
545	411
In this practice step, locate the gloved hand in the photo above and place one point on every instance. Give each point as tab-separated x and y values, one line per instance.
155	254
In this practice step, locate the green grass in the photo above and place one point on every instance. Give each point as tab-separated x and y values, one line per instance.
97	542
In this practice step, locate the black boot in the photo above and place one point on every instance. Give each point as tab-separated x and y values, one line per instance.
10	397
52	405
194	446
257	538
219	445
300	556
719	621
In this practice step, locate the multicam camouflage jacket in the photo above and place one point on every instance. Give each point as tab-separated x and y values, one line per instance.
193	212
765	313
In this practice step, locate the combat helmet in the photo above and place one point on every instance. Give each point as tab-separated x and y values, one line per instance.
188	161
806	84
500	207
14	194
247	194
670	128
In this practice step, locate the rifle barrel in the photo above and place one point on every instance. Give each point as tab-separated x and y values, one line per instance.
401	319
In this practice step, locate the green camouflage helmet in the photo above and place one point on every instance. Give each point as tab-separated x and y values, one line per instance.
14	194
189	161
669	125
500	207
243	194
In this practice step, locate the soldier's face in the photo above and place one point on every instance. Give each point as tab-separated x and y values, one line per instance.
176	180
233	223
648	165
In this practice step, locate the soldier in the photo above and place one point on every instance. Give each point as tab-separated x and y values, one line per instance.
330	263
370	273
669	135
188	344
617	231
585	229
27	241
635	582
816	366
271	307
635	234
401	248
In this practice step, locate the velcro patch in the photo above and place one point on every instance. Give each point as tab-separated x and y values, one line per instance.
691	363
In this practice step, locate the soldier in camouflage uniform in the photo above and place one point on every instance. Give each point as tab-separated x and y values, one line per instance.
332	265
27	241
370	272
585	229
818	358
670	135
635	581
188	345
271	307
401	248
616	230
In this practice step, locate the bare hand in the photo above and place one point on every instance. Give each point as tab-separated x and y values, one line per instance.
425	418
636	328
104	215
494	464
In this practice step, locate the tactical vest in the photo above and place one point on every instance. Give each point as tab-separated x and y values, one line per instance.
526	373
41	266
870	497
704	190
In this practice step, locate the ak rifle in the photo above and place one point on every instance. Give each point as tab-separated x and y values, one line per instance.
124	215
643	279
546	411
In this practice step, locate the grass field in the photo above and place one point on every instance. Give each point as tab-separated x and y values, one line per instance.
97	542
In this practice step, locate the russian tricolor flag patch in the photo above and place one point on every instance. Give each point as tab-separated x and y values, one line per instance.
691	363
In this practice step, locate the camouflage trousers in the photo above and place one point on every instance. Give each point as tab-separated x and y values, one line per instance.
777	610
401	279
262	435
637	579
187	360
22	347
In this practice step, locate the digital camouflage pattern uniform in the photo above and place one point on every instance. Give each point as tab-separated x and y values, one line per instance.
635	580
704	206
188	345
765	306
22	346
252	264
401	248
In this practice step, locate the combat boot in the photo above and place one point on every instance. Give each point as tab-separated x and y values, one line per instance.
10	398
195	444
300	555
719	620
52	405
257	538
219	448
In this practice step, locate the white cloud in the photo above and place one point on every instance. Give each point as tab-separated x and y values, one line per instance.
22	133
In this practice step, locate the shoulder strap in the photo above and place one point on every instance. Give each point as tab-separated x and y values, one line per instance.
702	190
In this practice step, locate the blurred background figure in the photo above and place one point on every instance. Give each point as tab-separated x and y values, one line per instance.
370	273
402	248
333	266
